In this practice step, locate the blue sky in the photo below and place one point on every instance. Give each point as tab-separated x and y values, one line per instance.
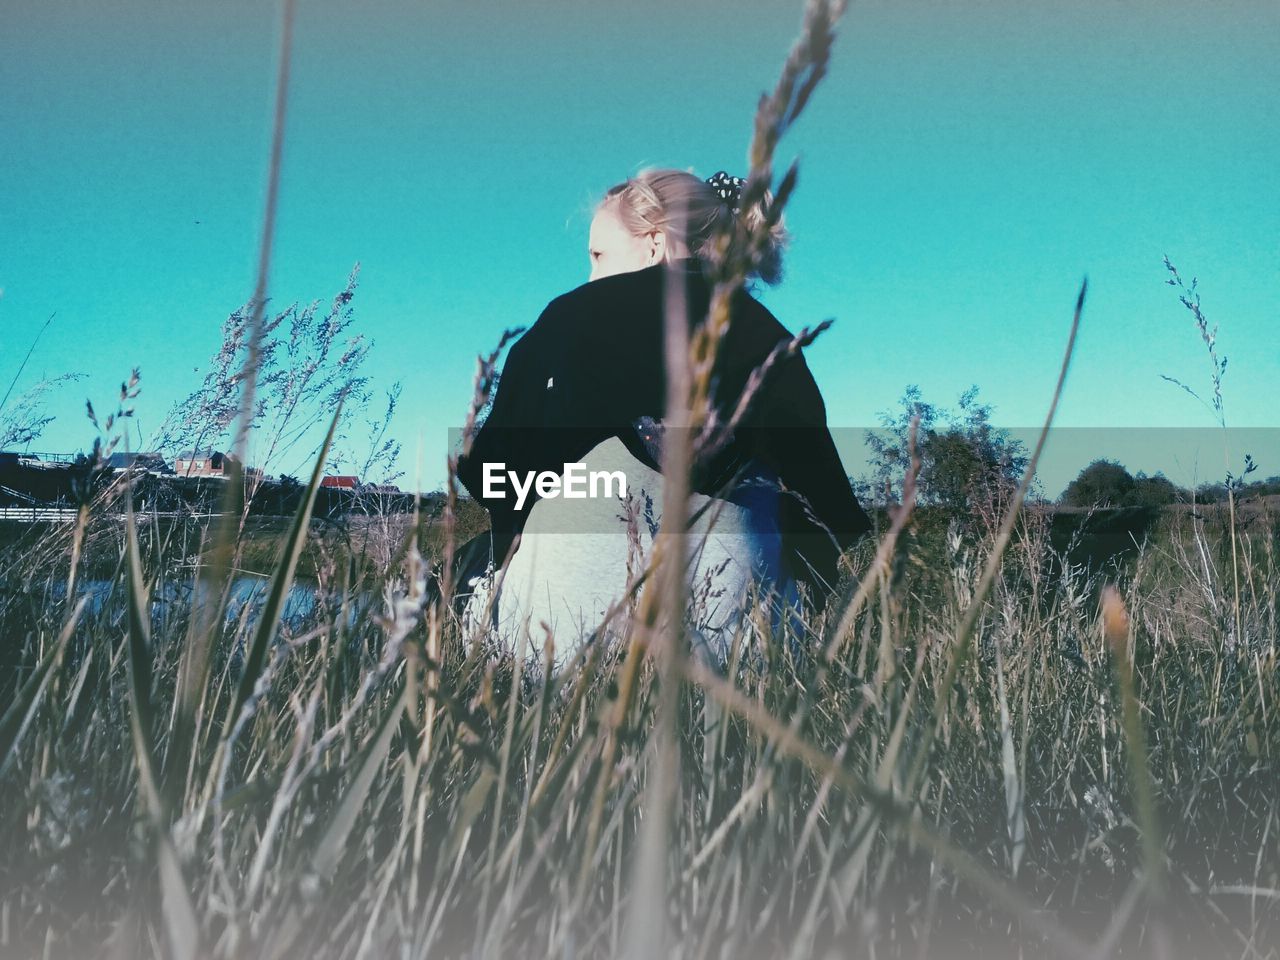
964	165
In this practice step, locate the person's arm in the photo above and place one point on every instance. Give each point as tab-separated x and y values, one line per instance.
505	438
792	426
549	409
590	364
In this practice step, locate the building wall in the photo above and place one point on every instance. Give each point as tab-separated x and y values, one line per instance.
198	468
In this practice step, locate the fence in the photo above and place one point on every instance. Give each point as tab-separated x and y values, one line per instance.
38	514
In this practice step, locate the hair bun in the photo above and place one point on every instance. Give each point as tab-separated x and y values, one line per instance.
709	209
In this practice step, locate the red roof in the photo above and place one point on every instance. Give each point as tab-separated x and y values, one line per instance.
342	482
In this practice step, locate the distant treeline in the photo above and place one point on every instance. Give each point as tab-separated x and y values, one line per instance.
1106	483
70	485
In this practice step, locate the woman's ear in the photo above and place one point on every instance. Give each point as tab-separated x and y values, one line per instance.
656	251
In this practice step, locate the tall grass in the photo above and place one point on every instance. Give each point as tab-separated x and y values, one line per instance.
961	757
391	790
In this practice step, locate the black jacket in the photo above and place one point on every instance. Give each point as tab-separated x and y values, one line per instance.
593	363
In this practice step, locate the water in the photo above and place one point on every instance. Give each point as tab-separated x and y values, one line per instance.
174	594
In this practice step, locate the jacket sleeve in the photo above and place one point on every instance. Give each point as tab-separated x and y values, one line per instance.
505	440
543	415
820	514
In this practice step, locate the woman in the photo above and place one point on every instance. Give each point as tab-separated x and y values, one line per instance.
586	384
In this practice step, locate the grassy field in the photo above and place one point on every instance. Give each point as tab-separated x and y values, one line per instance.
389	786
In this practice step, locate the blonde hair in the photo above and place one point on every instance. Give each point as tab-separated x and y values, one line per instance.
650	201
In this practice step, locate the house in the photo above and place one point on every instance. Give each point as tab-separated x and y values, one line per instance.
138	462
341	482
203	463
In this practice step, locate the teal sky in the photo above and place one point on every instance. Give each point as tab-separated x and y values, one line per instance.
962	168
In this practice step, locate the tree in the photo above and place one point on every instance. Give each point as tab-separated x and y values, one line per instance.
1155	491
965	461
1103	483
1212	492
1264	488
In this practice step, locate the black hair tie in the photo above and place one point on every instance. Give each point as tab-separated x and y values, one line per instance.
727	188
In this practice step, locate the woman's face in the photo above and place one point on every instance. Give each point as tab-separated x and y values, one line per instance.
614	249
